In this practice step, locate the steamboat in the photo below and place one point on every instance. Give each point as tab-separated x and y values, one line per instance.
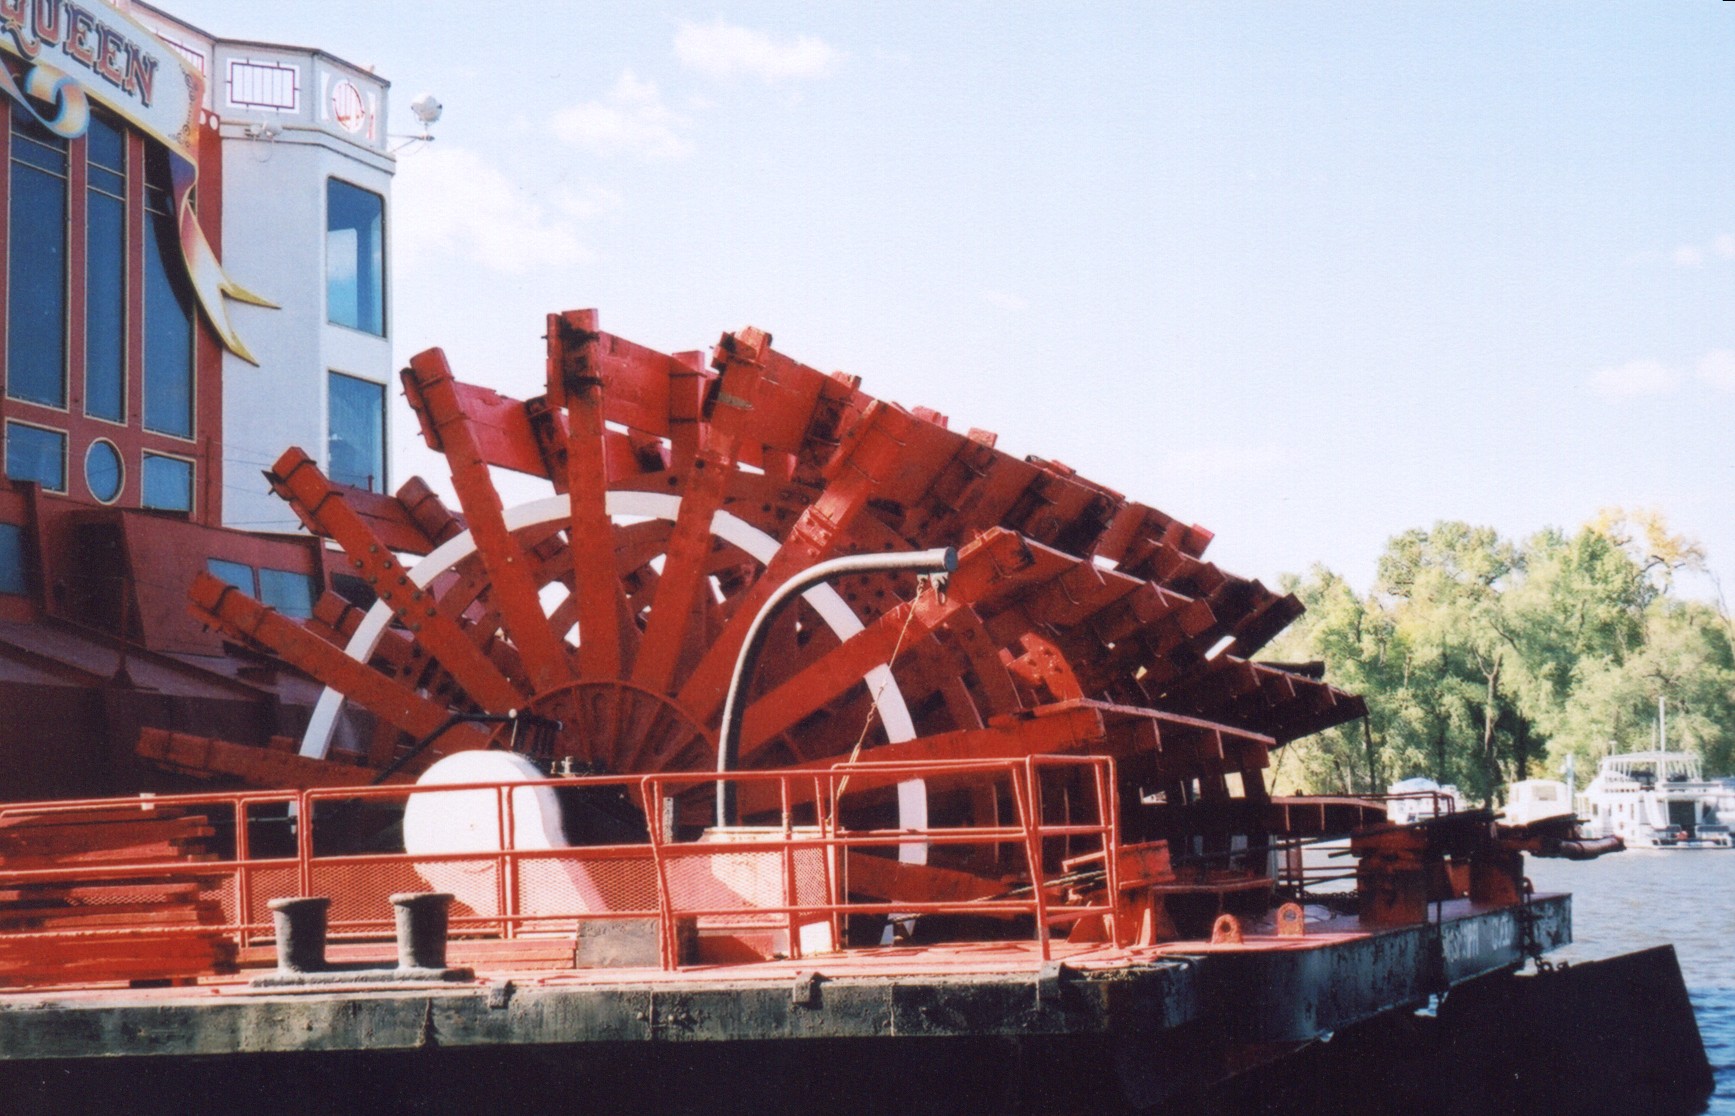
794	749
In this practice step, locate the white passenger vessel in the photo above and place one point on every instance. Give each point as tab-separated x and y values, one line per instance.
1657	800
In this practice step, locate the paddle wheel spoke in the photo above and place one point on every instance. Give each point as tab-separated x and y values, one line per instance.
429	384
299	481
703	486
574	381
223	606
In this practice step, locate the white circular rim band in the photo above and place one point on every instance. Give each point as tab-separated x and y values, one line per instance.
843	622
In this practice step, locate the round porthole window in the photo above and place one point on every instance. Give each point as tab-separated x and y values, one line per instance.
102	471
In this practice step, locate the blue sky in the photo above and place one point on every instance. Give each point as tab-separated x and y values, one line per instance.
1307	274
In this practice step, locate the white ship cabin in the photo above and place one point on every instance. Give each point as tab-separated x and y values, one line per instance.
1655	800
1533	800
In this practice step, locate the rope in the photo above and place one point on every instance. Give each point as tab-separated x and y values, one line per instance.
874	706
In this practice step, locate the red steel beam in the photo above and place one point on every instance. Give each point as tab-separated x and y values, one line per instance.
706	476
574	381
220	604
429	383
299	482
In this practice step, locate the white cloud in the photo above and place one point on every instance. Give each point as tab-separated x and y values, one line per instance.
1717	368
1006	301
723	50
631	119
587	203
1694	255
1635	378
450	200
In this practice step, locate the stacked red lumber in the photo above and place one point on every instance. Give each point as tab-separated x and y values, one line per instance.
152	925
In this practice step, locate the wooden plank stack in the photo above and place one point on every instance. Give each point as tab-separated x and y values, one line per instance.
85	926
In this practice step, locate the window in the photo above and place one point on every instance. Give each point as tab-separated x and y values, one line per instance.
102	471
356	438
36	276
289	593
36	454
168	310
238	574
105	274
12	574
268	85
354	257
167	483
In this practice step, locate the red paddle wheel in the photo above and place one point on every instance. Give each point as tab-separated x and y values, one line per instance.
596	628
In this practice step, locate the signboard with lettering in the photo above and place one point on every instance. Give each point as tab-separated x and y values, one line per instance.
76	53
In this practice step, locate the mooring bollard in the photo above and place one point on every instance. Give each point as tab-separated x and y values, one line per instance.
300	926
421	920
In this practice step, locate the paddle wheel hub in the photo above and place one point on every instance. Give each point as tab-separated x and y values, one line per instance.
603	727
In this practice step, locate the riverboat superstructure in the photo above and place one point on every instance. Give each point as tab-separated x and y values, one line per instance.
1656	800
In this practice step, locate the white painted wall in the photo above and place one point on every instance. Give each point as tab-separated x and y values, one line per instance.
275	166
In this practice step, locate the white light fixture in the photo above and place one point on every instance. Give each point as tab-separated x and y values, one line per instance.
427	109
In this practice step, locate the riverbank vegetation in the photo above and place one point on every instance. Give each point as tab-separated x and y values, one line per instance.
1484	659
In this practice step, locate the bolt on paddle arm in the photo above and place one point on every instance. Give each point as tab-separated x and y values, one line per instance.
938	560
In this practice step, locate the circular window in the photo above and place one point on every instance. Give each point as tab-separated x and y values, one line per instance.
102	470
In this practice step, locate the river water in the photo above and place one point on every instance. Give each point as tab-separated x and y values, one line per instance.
1648	897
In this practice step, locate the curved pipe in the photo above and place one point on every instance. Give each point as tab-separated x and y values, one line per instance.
939	560
1580	849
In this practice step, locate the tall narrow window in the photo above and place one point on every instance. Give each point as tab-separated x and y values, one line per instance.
355	257
36	275
168	310
356	438
105	274
13	576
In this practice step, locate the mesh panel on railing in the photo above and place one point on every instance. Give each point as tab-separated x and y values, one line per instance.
752	880
361	892
279	881
576	884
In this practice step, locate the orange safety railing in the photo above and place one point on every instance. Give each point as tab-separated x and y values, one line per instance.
227	855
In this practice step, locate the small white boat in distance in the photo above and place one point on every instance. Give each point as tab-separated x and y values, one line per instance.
1418	799
1532	800
1655	800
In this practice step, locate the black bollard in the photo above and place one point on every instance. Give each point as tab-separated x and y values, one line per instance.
300	926
421	920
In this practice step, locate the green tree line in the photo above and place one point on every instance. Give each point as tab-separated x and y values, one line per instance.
1484	659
